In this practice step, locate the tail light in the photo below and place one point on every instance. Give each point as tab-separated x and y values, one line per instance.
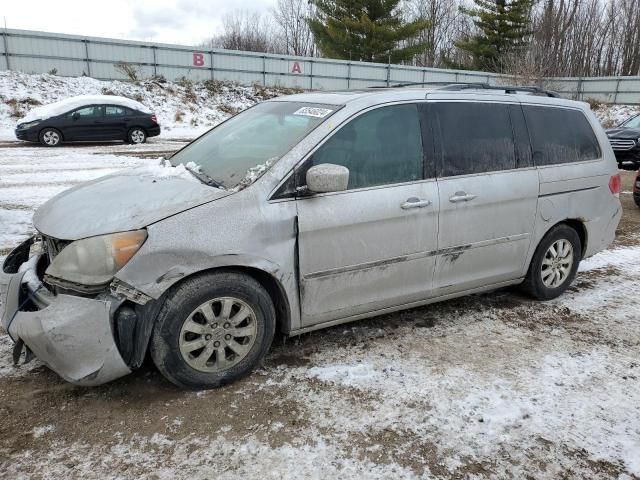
614	184
154	119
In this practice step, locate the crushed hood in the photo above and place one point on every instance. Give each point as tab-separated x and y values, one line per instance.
123	201
624	133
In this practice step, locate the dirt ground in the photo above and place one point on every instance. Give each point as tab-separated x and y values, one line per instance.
487	386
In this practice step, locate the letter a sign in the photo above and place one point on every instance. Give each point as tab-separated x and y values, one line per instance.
296	67
198	59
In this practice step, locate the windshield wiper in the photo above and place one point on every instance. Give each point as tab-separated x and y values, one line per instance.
204	178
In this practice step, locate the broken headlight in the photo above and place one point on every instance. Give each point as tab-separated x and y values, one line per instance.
95	260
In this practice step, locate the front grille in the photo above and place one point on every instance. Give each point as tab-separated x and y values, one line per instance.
621	144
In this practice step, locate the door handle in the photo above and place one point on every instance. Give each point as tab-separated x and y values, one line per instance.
461	197
415	202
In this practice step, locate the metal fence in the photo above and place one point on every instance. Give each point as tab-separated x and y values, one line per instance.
72	55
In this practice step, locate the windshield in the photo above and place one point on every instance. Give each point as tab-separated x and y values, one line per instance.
238	151
632	122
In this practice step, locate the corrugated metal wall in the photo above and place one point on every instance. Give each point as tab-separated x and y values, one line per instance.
72	55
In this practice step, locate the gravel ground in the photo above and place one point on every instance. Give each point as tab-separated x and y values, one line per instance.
487	386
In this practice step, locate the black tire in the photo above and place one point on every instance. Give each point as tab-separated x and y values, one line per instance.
534	284
136	135
179	306
50	137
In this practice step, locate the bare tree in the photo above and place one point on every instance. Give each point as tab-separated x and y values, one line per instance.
247	31
291	17
446	24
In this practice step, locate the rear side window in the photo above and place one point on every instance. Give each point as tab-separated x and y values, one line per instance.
473	138
382	146
112	110
560	135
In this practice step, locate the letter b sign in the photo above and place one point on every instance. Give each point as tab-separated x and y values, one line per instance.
198	59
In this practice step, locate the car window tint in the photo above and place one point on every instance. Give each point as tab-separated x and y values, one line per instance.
382	146
114	111
560	135
86	112
473	138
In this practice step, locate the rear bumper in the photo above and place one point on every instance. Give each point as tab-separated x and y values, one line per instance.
70	334
153	131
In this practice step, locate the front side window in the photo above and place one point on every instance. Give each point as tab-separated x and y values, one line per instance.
88	112
560	135
239	150
473	138
380	147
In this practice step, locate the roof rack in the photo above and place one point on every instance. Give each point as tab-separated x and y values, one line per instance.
452	87
506	88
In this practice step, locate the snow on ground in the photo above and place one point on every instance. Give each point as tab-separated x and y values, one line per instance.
30	175
489	386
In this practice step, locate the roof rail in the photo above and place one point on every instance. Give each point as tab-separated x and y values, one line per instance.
505	88
476	86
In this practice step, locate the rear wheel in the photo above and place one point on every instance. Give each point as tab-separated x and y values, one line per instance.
212	330
554	264
137	135
50	137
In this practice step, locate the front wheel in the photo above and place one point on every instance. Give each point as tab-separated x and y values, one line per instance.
136	135
554	264
50	137
212	330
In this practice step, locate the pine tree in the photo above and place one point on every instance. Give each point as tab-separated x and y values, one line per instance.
503	31
366	30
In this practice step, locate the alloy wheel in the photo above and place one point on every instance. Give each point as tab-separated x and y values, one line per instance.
51	137
557	263
218	334
137	136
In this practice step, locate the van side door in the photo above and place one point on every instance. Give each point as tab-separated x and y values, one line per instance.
371	246
488	191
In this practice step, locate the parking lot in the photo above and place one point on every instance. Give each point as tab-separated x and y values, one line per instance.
487	386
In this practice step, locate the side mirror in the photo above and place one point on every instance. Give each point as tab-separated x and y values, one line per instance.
75	116
327	177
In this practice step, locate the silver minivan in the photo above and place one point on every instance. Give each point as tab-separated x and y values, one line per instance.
304	212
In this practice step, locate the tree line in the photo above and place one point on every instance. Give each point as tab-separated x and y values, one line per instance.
530	38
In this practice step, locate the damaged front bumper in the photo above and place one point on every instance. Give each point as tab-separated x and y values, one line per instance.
71	334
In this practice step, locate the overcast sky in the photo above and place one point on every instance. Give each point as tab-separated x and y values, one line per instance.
186	22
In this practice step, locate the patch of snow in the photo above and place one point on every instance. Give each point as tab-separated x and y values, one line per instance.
611	116
253	174
68	104
351	375
164	170
219	457
40	431
625	258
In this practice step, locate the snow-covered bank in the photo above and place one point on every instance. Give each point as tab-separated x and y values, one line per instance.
185	109
613	115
